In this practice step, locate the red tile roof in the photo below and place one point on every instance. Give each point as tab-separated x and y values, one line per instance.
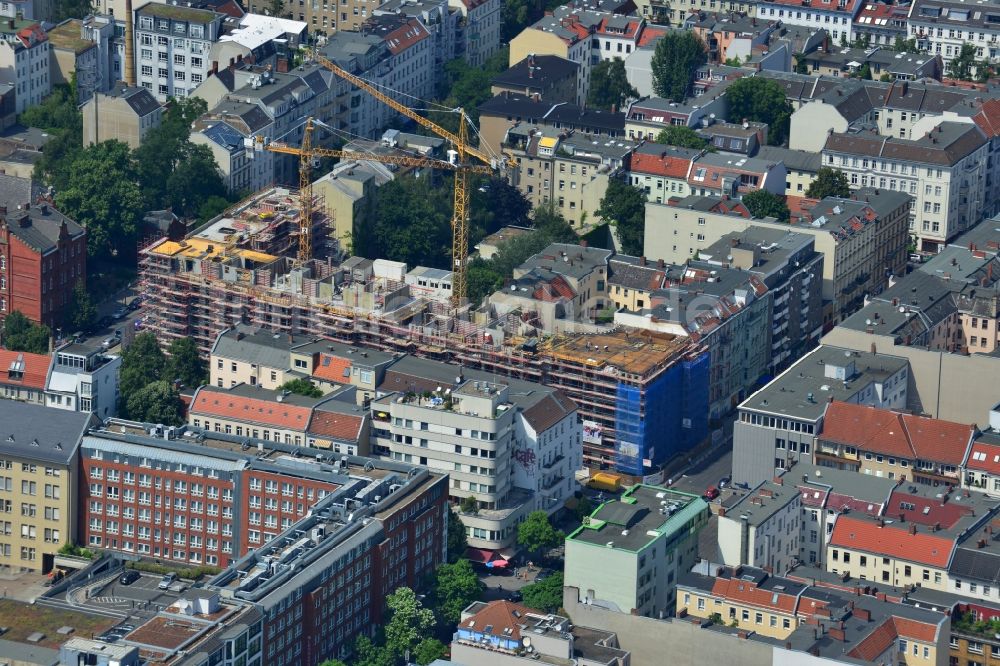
926	510
337	426
895	434
35	369
649	34
848	7
984	457
890	541
988	118
499	615
876	11
630	29
918	631
876	643
747	592
403	38
332	369
221	405
668	166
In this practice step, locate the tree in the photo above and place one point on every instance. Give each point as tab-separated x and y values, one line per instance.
211	207
469	504
482	279
333	662
82	311
624	207
457	540
368	653
829	182
609	85
905	45
537	534
583	508
102	195
409	622
275	8
301	386
553	225
58	115
428	650
801	64
455	587
961	66
682	137
761	100
545	595
677	56
21	334
185	365
410	222
142	362
762	203
865	72
496	204
195	180
71	9
156	402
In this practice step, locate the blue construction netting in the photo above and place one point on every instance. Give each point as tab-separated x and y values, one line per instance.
673	419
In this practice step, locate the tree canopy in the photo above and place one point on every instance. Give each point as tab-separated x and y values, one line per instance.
156	402
545	595
143	362
962	66
609	85
409	622
82	312
677	56
411	222
455	587
185	363
102	194
763	101
762	203
20	334
682	137
457	540
624	207
301	386
829	182
537	534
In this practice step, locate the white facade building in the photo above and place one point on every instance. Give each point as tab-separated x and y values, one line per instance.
24	64
761	528
482	28
834	16
83	379
172	43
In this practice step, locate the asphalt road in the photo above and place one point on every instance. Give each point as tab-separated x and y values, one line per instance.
707	472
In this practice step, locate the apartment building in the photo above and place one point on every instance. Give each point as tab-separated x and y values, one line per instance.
837	18
943	27
843	108
661	171
779	423
172	43
121	114
38	483
507	110
981	467
567	33
632	281
24	64
786	263
628	555
42	254
83	378
761	527
730	36
22	376
71	52
543	77
881	62
659	12
717	174
881	24
348	191
944	171
895	445
567	170
908	546
817	622
646	118
863	241
727	310
801	167
512	446
482	22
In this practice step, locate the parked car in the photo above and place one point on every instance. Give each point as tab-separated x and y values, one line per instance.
167	581
724	482
129	577
711	493
120	313
113	340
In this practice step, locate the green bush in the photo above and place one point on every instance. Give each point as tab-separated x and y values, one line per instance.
189	573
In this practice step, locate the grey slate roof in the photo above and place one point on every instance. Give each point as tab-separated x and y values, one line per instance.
794	160
264	348
547	68
41	433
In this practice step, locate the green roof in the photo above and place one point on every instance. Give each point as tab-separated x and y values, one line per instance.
67	36
19	24
178	13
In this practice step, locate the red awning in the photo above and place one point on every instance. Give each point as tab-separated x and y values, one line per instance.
498	563
479	555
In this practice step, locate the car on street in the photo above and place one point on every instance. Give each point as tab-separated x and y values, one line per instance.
120	313
104	322
113	340
129	577
167	581
724	482
711	493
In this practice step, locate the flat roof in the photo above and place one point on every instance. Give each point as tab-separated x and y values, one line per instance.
803	390
636	352
642	515
201	248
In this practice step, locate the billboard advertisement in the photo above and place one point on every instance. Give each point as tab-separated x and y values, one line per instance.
592	432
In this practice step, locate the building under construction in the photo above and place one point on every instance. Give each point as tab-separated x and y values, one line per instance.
643	396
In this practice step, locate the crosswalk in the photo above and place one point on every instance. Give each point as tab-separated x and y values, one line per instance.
88	609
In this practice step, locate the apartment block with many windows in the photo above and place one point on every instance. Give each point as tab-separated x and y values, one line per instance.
172	43
38	483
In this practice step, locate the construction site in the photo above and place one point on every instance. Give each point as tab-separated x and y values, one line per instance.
241	269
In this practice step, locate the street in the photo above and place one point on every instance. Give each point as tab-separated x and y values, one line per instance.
707	472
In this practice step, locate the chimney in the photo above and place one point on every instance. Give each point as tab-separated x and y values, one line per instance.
862	614
837	634
583	243
129	45
873	349
913	529
660	264
642	261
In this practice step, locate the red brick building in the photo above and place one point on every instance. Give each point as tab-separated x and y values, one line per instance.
42	254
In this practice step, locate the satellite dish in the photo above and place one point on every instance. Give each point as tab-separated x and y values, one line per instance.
526	641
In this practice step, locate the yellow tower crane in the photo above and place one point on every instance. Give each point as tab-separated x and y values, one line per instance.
306	153
459	163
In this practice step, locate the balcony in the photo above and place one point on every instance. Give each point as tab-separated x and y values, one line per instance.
552	463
